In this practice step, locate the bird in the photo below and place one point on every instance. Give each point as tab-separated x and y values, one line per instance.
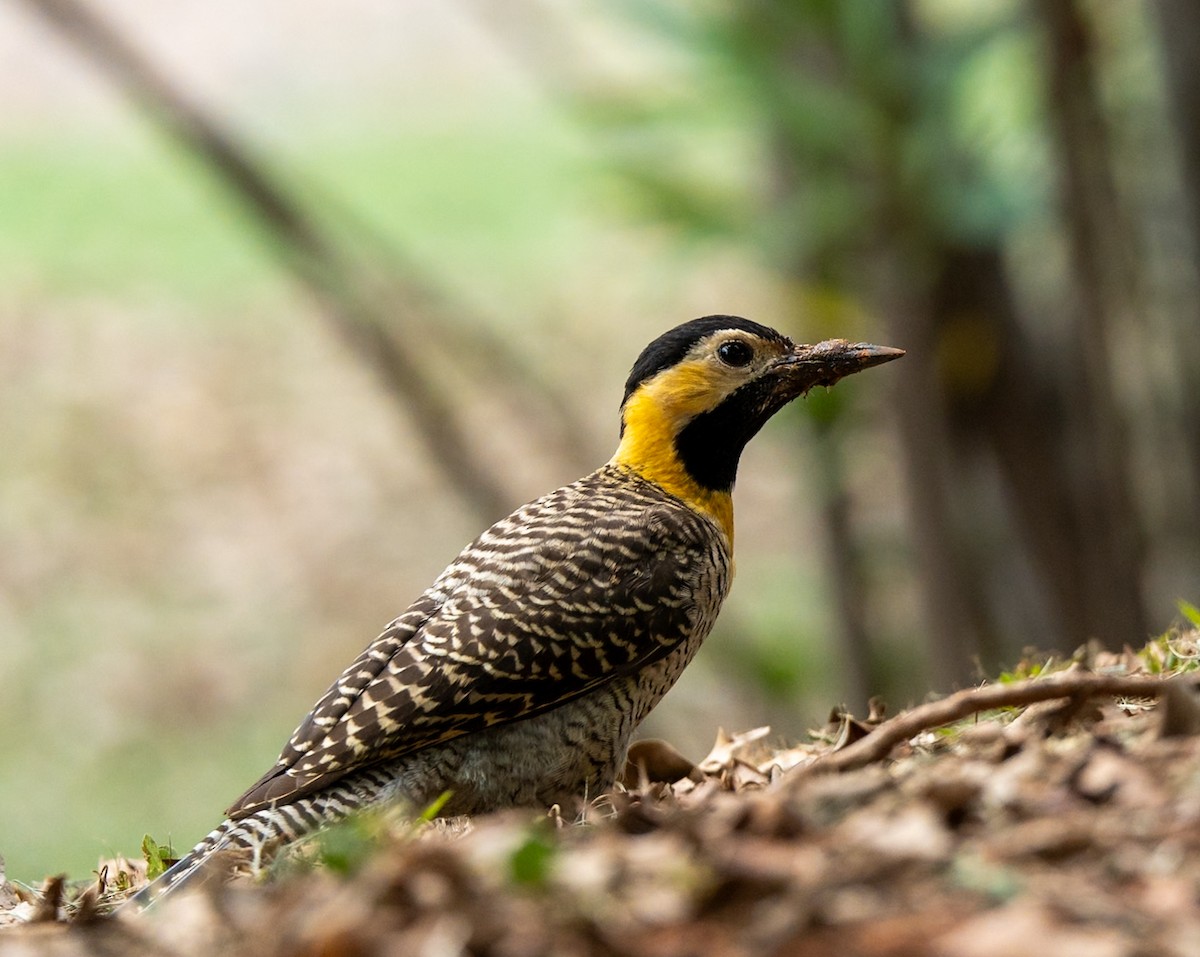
519	676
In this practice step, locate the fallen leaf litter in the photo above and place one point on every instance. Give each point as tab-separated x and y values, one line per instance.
1055	815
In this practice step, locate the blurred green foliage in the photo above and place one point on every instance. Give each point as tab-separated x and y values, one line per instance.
109	216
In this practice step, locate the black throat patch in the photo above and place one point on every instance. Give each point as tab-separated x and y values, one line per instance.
711	445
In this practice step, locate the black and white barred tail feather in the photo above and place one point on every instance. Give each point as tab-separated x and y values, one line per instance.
182	871
264	832
258	835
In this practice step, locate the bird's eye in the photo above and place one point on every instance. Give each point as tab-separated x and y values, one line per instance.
735	352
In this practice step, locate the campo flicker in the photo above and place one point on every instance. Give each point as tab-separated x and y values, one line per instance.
519	676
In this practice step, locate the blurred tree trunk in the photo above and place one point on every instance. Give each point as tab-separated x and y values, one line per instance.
1052	430
907	260
1005	404
1104	512
954	632
1179	29
844	568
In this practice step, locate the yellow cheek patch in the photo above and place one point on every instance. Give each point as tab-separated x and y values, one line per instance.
654	415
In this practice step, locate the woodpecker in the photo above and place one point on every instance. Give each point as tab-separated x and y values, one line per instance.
518	677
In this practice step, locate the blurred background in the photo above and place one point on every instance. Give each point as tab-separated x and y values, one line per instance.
295	298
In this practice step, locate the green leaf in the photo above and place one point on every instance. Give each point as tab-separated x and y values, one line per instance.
158	856
530	863
1190	612
346	846
435	807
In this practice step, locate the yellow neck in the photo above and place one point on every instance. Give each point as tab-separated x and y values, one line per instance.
648	448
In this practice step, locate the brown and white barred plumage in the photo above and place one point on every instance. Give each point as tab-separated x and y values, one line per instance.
575	615
518	677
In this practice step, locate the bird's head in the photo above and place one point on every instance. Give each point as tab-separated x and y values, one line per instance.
698	393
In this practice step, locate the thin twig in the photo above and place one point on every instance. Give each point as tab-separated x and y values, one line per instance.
877	745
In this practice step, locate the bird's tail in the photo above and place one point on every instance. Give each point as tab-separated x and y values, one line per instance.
183	870
260	835
257	838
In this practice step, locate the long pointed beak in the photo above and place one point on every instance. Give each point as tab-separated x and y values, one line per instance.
826	362
865	354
